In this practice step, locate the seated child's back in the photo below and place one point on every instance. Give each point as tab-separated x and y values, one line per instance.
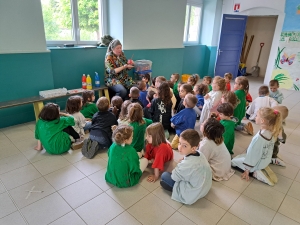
143	93
88	107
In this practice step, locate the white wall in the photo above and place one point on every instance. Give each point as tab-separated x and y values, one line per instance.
115	19
153	24
261	8
21	27
263	30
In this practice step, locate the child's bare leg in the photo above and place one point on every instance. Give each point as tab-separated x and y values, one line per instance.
39	146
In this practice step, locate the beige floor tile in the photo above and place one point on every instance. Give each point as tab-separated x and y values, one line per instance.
280	219
103	155
289	171
178	219
291	158
288	147
103	208
20	193
229	219
166	197
283	184
298	177
236	183
222	196
264	194
5	141
13	162
126	197
31	125
6	205
71	219
34	156
2	188
46	210
153	206
251	211
8	150
19	176
51	164
14	218
99	179
15	129
295	190
290	208
25	145
73	156
150	186
80	192
90	166
202	212
124	218
21	136
64	177
294	139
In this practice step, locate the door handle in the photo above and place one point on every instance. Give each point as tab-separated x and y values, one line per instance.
219	52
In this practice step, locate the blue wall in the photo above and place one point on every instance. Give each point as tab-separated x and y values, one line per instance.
24	75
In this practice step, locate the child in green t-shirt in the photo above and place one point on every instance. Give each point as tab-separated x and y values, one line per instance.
225	111
207	80
124	169
89	108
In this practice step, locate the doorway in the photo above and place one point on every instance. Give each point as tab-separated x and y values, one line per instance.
263	29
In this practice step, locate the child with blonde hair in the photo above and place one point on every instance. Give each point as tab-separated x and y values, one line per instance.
213	98
214	149
123	117
124	168
193	79
89	108
259	152
139	124
228	78
157	149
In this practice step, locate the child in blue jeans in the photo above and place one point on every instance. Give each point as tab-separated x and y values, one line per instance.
192	177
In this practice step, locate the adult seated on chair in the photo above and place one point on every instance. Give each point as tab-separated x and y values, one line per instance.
116	67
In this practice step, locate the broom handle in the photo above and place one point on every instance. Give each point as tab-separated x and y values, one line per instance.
261	46
248	49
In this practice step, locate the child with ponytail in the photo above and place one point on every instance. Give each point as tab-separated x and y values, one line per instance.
124	169
193	80
259	152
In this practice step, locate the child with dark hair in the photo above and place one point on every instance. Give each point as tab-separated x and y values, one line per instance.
225	111
134	95
100	130
115	105
207	80
139	124
185	119
89	108
214	149
157	150
193	79
146	78
230	97
274	92
183	91
200	91
192	178
143	93
149	97
158	82
124	169
52	131
263	100
73	107
123	117
161	107
228	78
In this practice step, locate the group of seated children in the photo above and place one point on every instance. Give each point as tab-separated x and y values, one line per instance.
135	132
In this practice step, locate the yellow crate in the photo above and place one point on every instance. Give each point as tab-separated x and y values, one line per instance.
185	77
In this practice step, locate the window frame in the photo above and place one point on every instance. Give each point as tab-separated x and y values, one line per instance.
187	28
75	26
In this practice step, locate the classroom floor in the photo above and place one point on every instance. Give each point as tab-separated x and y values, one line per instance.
70	189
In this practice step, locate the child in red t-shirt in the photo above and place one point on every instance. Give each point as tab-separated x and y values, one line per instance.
157	149
228	78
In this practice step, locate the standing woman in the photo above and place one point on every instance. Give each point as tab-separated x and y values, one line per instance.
116	67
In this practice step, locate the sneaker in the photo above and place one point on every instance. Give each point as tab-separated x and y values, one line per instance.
89	148
77	144
261	175
278	162
271	174
234	119
249	128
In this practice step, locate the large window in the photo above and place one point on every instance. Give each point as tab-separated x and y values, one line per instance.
192	23
73	21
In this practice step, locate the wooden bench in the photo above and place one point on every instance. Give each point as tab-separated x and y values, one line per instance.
38	101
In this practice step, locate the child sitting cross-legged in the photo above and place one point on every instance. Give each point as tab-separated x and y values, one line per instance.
214	149
259	152
185	119
192	178
124	168
157	150
139	124
100	129
225	111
